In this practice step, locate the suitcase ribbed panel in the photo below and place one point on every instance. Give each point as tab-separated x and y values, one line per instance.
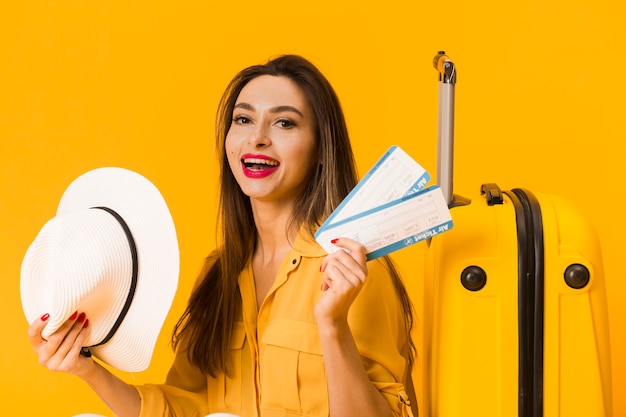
531	301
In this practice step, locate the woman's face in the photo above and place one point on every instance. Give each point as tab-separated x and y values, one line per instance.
271	144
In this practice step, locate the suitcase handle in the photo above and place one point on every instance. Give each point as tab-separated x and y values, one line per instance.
445	148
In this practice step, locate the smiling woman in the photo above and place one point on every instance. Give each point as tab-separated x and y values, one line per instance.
276	326
87	84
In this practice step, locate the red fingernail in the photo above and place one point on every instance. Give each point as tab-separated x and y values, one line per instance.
86	324
45	317
334	241
73	316
81	318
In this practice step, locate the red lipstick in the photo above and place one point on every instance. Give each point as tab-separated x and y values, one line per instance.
258	166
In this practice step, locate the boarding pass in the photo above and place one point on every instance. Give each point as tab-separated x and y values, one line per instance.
388	209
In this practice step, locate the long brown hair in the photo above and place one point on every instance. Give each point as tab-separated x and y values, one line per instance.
215	303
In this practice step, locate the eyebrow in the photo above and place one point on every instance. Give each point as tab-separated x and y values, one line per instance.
277	109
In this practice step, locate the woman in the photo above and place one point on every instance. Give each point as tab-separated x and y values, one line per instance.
275	326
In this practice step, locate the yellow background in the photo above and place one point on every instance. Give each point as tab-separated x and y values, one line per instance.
88	83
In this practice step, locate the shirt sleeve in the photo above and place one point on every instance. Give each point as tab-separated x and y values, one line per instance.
183	394
377	323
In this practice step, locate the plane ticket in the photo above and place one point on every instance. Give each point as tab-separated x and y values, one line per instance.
389	209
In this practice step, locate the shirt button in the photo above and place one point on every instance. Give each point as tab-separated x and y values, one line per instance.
294	261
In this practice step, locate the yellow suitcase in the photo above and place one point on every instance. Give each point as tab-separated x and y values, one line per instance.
513	317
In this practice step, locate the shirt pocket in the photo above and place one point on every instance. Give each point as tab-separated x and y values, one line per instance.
293	376
225	392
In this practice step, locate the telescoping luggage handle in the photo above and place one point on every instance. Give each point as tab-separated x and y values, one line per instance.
445	142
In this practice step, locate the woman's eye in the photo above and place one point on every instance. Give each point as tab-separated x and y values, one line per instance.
241	120
285	123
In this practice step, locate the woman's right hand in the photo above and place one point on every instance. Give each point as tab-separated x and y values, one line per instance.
61	352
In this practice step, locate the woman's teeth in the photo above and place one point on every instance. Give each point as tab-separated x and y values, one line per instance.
256	163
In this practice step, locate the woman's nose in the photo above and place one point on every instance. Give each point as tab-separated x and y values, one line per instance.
260	137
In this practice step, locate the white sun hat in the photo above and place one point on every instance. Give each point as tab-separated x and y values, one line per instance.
111	252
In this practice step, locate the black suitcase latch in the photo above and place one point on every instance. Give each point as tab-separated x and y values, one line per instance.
492	193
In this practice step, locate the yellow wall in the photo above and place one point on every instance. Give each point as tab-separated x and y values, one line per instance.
135	84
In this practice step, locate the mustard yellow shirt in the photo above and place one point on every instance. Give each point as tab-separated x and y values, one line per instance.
276	353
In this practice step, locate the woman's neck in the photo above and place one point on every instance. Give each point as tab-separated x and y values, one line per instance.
274	232
274	240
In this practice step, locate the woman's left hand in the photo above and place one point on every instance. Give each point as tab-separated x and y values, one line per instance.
345	273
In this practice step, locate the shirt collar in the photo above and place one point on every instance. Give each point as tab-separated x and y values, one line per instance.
306	245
